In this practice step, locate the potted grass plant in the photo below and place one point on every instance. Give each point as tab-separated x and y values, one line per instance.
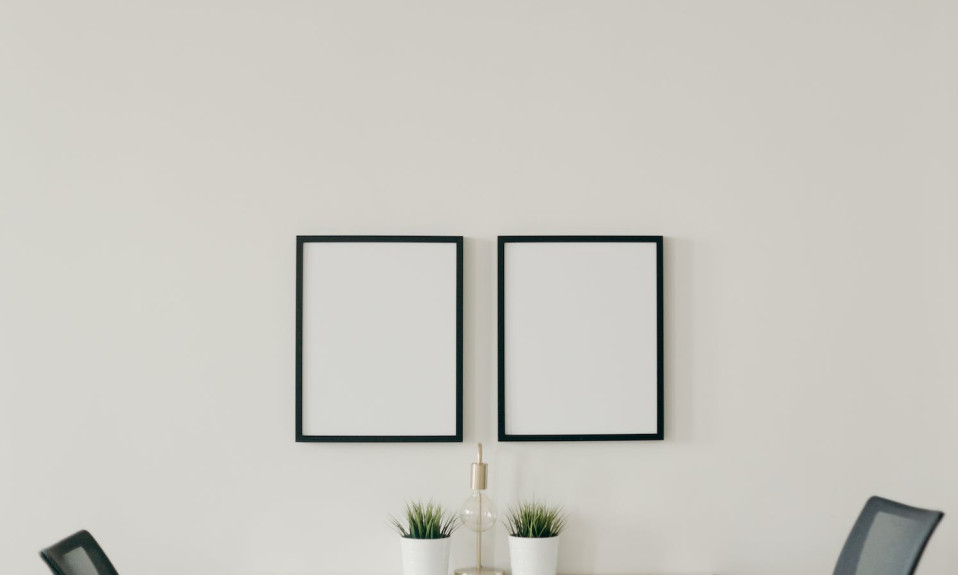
534	529
425	529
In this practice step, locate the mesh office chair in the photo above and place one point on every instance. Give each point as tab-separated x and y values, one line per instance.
78	554
887	539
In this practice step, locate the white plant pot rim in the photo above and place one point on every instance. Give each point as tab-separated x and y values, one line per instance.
424	539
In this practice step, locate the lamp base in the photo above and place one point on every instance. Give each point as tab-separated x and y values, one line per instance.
482	571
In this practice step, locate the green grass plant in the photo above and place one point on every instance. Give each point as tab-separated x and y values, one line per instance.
425	521
535	519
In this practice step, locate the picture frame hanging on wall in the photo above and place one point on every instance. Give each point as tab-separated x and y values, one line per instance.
581	338
379	338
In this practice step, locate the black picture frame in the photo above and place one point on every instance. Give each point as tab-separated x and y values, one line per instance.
658	433
302	242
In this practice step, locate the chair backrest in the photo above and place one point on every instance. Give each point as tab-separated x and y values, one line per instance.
78	554
887	539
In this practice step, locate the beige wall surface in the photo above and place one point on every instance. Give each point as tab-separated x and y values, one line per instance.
157	160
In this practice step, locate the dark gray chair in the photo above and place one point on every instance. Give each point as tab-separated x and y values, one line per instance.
887	539
78	554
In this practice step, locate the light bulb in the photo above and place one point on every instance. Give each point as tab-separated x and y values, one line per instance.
478	512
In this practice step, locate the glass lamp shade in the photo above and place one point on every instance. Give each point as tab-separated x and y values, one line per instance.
478	512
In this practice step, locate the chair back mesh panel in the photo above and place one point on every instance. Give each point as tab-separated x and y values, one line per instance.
887	539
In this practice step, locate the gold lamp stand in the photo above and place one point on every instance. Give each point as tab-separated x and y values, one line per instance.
478	513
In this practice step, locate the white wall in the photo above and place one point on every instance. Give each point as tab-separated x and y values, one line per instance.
158	158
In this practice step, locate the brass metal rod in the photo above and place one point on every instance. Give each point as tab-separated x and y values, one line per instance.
479	529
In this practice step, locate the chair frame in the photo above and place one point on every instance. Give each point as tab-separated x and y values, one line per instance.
851	551
53	555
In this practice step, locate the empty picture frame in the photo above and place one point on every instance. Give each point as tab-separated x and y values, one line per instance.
378	338
580	338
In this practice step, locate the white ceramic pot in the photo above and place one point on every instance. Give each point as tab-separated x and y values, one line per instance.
425	556
534	555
